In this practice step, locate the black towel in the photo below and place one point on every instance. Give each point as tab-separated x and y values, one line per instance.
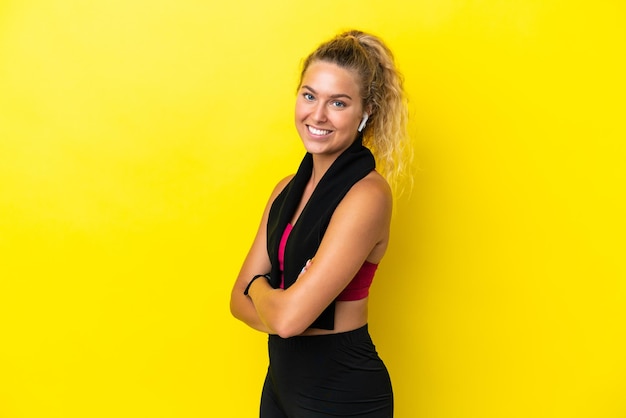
304	240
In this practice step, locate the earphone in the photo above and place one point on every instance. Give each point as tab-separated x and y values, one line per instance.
363	121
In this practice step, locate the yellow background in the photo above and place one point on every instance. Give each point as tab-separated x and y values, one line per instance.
140	139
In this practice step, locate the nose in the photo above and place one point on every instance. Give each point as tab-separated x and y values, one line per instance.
319	112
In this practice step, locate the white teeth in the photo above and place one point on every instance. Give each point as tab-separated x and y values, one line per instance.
315	131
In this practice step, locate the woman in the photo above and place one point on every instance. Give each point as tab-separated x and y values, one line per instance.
306	278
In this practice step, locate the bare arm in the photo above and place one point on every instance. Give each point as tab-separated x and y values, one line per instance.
359	225
257	262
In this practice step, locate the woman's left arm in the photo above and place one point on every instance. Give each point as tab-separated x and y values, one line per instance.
359	224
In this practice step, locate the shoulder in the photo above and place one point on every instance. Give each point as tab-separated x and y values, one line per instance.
279	188
363	218
373	186
371	194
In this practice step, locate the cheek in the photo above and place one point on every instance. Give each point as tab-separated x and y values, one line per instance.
300	111
349	122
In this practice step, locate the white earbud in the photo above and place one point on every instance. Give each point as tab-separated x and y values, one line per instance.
363	121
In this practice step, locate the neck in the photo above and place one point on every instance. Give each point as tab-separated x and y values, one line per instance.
320	167
321	163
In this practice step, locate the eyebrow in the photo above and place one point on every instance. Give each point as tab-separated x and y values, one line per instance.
332	96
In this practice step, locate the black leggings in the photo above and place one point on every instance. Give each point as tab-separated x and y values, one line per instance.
336	375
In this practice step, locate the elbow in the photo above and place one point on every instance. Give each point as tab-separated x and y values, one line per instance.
287	333
281	315
288	327
235	308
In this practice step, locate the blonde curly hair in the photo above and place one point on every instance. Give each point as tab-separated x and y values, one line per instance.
381	86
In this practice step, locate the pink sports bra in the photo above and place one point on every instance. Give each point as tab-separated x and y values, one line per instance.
359	286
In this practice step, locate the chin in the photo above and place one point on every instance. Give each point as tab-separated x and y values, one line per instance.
312	145
313	148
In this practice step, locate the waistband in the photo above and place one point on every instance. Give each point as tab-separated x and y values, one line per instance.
355	336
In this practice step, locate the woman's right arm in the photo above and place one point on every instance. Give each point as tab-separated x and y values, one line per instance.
256	262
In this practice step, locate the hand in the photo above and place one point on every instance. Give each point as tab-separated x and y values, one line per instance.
306	266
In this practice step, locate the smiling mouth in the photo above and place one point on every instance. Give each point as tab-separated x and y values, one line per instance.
318	132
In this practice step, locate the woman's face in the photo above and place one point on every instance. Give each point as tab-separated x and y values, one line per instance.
328	109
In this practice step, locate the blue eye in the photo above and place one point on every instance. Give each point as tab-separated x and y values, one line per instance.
308	96
338	103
